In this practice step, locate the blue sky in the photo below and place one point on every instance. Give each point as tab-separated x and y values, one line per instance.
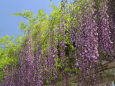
9	24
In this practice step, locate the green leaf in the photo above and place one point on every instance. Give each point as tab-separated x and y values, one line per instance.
22	26
53	6
19	39
67	69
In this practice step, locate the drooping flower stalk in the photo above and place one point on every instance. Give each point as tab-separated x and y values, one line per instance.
105	38
89	45
110	11
29	62
50	57
38	62
62	43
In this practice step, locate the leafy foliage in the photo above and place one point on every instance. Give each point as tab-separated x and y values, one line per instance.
8	52
54	47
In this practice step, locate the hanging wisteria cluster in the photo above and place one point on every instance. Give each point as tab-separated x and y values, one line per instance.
75	39
87	60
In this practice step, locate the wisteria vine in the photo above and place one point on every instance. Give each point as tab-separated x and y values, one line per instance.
59	46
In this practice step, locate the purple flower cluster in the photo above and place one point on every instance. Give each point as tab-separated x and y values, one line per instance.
106	42
87	60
